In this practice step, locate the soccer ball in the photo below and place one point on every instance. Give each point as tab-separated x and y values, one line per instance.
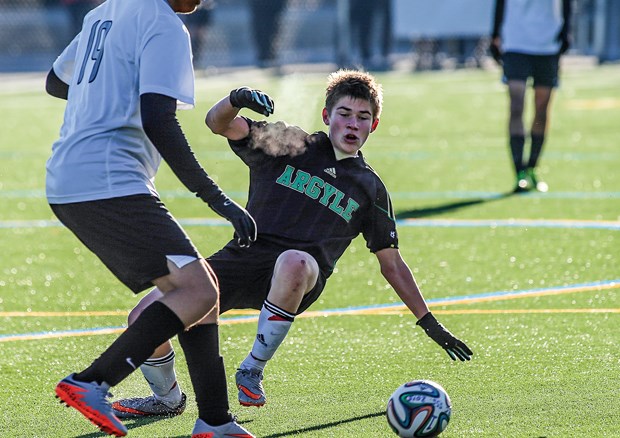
420	408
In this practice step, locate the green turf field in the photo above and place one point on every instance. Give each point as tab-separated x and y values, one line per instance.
531	282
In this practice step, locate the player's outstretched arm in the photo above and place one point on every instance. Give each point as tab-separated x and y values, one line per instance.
400	277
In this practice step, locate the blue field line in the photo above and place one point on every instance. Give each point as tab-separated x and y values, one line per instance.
430	223
61	333
502	223
464	298
354	309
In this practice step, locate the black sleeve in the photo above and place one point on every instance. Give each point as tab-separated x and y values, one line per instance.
162	128
243	148
379	227
54	86
566	13
498	18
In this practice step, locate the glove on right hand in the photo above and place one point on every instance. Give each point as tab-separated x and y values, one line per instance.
256	100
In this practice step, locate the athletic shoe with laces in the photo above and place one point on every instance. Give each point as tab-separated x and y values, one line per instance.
251	392
228	430
90	400
535	181
150	406
523	182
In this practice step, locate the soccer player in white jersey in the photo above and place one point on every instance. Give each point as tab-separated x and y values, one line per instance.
123	77
528	38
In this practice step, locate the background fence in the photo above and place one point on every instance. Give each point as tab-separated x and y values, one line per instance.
427	34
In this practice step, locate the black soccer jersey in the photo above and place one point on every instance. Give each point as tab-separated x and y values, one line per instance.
314	202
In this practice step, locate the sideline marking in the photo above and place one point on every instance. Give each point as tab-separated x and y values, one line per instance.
384	309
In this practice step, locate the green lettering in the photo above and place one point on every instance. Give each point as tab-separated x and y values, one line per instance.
334	205
286	177
351	207
313	190
328	191
300	181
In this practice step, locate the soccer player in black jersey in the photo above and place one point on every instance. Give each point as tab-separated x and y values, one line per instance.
311	195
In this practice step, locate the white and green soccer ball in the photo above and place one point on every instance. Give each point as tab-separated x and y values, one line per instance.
420	408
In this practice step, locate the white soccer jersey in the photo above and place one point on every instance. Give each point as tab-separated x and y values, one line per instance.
126	48
532	26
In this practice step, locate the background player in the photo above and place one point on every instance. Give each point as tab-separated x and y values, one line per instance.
311	195
122	77
528	38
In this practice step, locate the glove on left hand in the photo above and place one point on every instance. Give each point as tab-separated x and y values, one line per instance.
446	340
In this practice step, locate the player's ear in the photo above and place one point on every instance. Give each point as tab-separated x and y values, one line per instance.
325	116
374	125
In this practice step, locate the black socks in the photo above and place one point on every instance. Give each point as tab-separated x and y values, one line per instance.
155	325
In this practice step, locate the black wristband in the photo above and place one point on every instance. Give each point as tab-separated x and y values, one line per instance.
427	321
233	99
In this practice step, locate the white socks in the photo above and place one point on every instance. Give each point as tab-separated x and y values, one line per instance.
273	326
161	377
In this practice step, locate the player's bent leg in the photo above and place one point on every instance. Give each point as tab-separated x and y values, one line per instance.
167	399
190	291
295	274
154	295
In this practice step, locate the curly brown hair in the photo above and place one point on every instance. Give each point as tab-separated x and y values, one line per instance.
355	84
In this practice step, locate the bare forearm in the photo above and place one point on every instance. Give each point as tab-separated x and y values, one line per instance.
404	284
221	120
400	277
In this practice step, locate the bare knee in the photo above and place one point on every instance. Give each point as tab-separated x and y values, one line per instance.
146	301
298	268
191	292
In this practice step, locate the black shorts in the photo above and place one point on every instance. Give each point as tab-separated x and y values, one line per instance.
244	275
543	69
131	235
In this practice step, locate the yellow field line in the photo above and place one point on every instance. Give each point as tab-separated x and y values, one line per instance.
405	311
447	302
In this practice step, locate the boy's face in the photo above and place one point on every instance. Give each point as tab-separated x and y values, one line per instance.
350	123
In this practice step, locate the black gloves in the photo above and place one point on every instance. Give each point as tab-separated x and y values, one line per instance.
438	333
255	100
242	222
564	41
245	227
